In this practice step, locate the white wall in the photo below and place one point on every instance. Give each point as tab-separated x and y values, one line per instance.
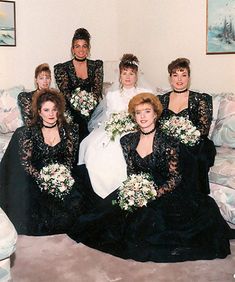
156	31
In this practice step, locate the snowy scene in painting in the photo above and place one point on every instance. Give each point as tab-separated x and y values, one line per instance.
7	24
221	20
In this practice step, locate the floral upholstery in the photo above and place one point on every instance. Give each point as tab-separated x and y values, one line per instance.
225	199
224	130
8	238
10	117
4	140
223	171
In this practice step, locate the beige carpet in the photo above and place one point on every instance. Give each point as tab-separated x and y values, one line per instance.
59	259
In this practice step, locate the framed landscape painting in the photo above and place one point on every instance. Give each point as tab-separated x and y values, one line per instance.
7	23
220	26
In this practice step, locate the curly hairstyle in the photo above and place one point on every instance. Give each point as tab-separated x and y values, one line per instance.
42	68
179	64
129	61
42	96
145	98
81	33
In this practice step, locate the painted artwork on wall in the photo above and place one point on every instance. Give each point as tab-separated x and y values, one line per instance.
220	26
7	23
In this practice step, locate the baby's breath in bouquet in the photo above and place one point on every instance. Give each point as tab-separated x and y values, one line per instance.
182	129
56	179
135	192
118	124
83	101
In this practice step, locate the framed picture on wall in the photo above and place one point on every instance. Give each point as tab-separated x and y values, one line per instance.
7	23
220	26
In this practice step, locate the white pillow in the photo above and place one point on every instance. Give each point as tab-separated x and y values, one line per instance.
224	130
10	117
216	103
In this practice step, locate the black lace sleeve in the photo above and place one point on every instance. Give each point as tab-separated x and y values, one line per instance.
25	104
98	79
169	149
26	150
72	143
62	80
127	142
201	110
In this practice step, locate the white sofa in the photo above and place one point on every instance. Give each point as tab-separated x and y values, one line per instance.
222	174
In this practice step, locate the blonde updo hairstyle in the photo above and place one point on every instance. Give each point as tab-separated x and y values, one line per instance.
45	95
145	98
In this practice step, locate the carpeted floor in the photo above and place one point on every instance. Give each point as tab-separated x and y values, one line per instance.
59	259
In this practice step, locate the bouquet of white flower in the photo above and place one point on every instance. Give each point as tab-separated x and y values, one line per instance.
83	101
182	129
56	179
119	123
136	191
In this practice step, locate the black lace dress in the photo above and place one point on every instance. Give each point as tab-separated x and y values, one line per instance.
67	81
199	111
32	211
181	224
25	103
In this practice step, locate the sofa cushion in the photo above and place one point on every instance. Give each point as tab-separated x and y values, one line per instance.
216	98
223	171
8	236
10	117
224	130
4	141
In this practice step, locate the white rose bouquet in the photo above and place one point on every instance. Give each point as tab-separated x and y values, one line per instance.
56	179
182	129
83	101
118	124
135	192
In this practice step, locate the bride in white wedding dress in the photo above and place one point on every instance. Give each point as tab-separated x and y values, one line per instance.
103	157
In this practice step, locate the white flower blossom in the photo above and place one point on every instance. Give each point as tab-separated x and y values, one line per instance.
182	129
56	179
83	101
136	191
118	124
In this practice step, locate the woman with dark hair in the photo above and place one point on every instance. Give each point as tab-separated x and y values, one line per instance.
37	189
42	78
154	215
98	151
196	107
80	74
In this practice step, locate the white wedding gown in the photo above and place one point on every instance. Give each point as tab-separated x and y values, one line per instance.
104	158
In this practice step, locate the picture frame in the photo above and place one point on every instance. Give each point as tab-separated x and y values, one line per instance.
220	27
7	23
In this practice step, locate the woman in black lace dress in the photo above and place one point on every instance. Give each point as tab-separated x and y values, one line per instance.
180	224
196	107
80	72
23	195
42	81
